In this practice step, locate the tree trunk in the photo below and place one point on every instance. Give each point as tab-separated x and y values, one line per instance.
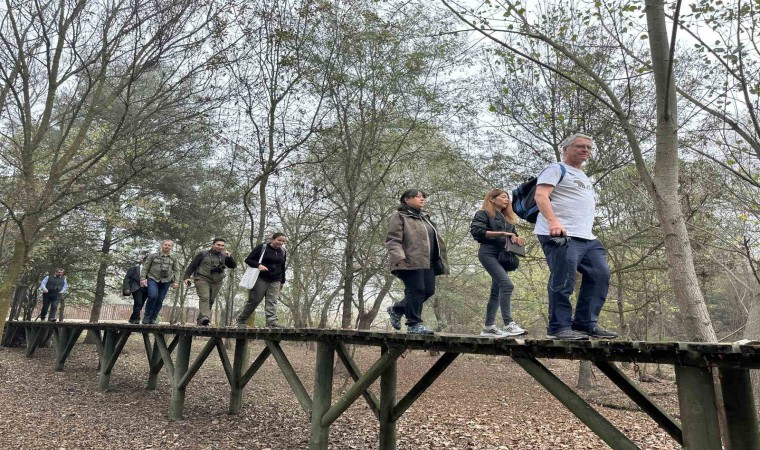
348	274
585	376
12	278
681	270
100	282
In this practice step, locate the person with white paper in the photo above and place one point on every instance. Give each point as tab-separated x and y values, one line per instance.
270	259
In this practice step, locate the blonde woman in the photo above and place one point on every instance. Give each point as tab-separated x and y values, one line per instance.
491	226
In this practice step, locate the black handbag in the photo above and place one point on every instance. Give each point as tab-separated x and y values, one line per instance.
508	261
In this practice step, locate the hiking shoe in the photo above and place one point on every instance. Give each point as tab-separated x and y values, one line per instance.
418	328
274	325
242	326
600	333
134	321
568	335
203	321
492	331
52	320
395	318
513	329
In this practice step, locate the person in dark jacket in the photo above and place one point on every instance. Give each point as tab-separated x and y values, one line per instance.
270	258
52	288
207	271
491	226
131	286
416	254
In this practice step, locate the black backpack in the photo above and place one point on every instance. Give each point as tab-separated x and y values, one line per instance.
523	197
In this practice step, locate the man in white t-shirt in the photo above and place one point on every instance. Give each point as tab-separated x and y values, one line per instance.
567	206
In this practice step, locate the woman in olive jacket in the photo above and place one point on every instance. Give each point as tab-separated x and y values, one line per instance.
416	254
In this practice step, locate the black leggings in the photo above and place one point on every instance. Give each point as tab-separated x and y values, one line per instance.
419	285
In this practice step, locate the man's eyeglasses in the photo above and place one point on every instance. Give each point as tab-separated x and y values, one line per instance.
587	147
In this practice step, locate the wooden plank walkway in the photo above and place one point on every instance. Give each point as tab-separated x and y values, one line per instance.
168	346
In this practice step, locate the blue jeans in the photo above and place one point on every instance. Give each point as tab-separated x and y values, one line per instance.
156	294
579	255
501	285
419	285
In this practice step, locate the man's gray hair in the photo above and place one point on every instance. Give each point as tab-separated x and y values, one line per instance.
570	139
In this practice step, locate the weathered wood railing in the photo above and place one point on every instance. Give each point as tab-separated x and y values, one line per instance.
693	363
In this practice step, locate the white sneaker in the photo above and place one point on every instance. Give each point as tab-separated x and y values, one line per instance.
513	329
492	331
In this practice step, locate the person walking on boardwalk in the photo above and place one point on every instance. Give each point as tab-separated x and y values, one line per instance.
131	286
270	258
416	254
52	288
207	271
491	226
564	227
159	271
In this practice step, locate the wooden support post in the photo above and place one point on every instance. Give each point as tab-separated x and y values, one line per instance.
323	383
109	347
425	382
181	363
61	340
290	375
73	338
199	360
738	401
33	338
387	404
582	410
659	415
699	412
11	330
236	375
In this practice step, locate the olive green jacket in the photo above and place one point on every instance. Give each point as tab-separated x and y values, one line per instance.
408	244
155	263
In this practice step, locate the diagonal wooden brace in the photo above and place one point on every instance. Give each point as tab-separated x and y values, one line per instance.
290	375
121	341
356	374
166	355
199	360
369	377
582	410
659	415
425	382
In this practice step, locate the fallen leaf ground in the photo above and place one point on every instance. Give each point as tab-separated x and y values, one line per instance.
480	402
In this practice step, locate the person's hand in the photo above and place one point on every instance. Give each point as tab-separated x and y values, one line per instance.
126	292
188	282
144	283
175	285
518	240
44	291
556	229
226	253
263	268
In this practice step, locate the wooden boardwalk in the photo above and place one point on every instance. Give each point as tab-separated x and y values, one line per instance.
169	347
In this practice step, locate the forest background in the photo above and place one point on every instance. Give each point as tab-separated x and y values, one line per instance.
125	123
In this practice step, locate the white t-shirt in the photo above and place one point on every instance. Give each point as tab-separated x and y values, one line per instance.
573	201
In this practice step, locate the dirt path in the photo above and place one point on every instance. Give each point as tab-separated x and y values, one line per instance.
479	403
